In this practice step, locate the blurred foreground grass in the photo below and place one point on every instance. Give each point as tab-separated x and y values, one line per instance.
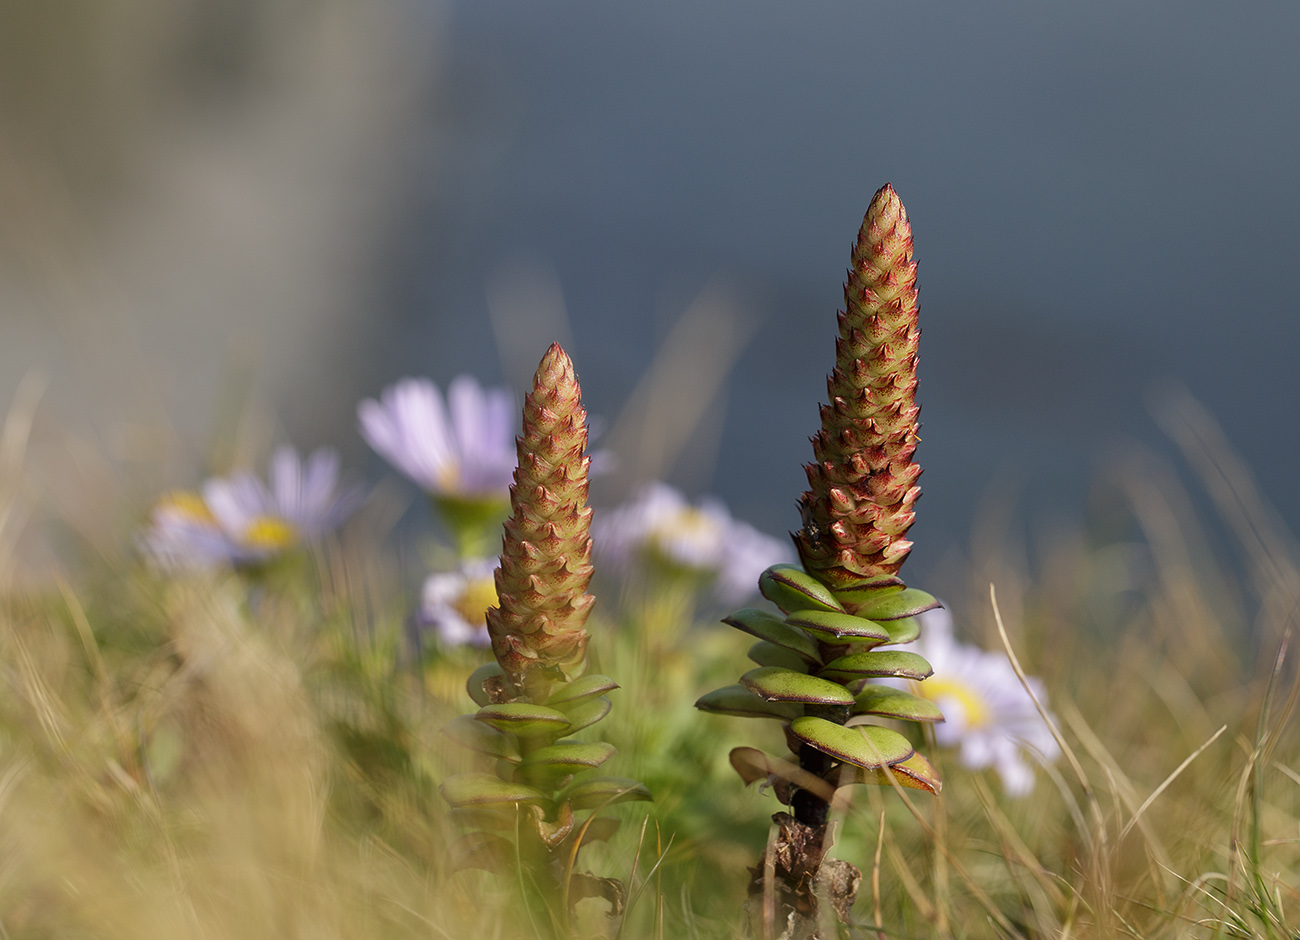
221	756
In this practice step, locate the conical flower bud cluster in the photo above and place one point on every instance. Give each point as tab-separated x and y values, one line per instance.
862	481
537	631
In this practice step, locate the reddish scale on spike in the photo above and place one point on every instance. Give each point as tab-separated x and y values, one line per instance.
862	480
538	632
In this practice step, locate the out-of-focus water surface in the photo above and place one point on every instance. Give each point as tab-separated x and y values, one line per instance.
1104	197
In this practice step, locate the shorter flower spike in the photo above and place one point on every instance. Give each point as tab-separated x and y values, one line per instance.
862	481
537	631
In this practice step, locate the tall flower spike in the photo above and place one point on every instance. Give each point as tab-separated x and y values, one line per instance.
862	481
537	631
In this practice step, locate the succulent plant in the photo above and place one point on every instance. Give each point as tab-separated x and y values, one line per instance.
842	613
537	693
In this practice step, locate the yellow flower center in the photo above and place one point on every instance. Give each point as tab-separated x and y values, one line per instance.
973	706
188	505
269	532
449	477
474	601
689	526
689	522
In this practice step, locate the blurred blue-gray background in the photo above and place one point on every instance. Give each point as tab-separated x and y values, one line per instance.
303	200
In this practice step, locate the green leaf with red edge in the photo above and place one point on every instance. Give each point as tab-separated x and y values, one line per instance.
524	719
902	630
547	765
890	605
604	791
915	773
768	626
598	829
769	654
482	850
785	685
898	664
480	789
895	703
580	690
738	701
791	588
861	586
586	713
477	736
864	745
830	626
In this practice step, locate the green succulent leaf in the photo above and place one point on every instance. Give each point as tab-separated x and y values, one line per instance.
598	829
482	850
479	789
774	629
863	745
769	654
902	630
605	791
579	690
474	684
895	703
894	605
838	626
550	764
785	685
586	713
739	701
791	588
854	589
915	773
524	719
475	735
896	663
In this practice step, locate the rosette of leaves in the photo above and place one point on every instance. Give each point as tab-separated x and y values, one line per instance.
814	666
541	802
843	612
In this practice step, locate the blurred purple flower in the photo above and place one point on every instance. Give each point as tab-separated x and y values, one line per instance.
464	447
659	527
239	520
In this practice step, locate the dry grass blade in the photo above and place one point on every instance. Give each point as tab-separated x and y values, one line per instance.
878	917
977	891
1155	794
1024	681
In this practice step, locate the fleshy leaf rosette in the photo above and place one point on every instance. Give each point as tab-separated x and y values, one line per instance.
537	631
538	694
862	480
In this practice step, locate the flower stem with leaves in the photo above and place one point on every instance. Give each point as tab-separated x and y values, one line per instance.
840	610
538	693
